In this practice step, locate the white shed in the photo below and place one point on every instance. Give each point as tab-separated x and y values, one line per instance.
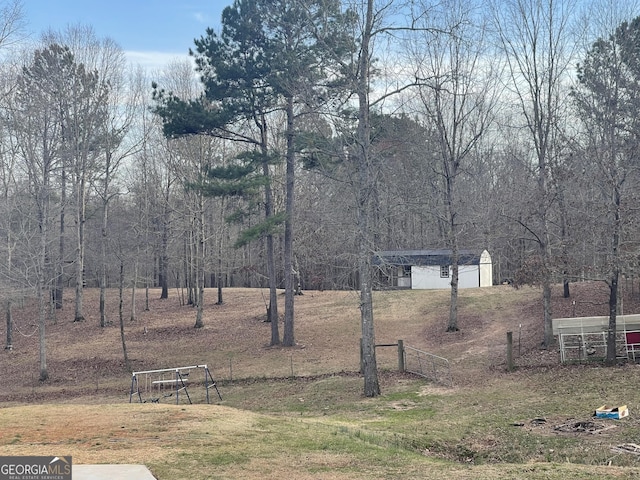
431	269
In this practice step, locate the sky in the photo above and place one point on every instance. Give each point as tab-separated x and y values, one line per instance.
151	32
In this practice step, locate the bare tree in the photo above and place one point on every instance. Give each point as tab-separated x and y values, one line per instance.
127	363
189	158
84	107
37	129
535	37
99	137
364	188
608	98
12	23
11	33
123	109
375	20
8	206
457	88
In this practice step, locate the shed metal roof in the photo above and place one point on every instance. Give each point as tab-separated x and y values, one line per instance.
440	257
582	325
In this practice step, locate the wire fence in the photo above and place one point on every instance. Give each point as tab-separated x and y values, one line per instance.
427	365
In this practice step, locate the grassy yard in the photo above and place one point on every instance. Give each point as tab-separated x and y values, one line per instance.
533	423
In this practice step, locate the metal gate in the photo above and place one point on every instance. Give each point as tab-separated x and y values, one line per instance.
427	365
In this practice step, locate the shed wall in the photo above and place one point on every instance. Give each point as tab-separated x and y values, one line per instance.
428	277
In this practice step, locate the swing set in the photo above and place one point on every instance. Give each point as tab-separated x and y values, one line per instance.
167	382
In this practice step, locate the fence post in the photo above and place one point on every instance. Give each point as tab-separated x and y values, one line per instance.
510	351
401	355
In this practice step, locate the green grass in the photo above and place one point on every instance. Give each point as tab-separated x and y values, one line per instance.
323	427
474	427
297	431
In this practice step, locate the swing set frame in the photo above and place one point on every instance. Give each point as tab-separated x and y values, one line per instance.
179	377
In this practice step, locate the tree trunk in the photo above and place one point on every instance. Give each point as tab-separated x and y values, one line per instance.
272	310
615	278
80	223
200	260
289	338
133	291
453	241
162	277
364	192
546	306
164	251
200	306
545	252
189	269
121	316
42	285
42	317
9	344
564	234
220	274
146	293
103	267
296	279
613	310
453	307
371	384
59	290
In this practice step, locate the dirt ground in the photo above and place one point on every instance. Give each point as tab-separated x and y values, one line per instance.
85	360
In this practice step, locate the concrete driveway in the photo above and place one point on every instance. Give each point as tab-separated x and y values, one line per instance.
111	472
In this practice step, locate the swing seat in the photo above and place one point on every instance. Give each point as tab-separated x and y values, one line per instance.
163	387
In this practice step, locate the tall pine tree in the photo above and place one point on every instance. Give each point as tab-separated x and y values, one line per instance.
270	56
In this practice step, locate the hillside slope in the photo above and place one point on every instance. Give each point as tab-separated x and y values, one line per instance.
86	362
